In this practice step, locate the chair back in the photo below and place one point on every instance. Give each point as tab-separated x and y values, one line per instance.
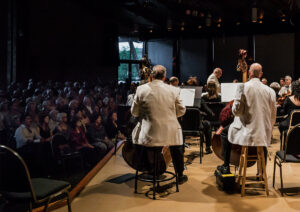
57	141
292	145
191	121
15	176
295	118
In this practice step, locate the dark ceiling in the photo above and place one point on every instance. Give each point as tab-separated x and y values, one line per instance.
167	18
156	18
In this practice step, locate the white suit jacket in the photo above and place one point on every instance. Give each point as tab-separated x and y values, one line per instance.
254	108
213	77
157	105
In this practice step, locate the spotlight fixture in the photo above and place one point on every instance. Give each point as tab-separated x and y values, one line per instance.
136	28
195	13
169	24
208	20
283	18
238	23
200	27
260	21
219	21
254	15
182	28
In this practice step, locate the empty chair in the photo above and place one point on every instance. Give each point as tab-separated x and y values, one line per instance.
290	154
16	184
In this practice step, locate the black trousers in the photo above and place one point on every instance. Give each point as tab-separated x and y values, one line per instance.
177	153
207	133
226	147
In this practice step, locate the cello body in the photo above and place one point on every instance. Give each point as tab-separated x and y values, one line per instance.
235	151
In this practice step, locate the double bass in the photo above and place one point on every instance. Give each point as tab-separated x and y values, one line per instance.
140	157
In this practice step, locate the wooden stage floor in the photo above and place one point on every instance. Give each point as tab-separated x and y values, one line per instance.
199	193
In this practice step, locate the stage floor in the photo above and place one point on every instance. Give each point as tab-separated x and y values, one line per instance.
199	193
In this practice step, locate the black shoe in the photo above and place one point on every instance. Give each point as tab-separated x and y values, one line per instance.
182	179
208	151
224	169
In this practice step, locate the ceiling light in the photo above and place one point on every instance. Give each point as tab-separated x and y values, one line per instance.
254	15
208	20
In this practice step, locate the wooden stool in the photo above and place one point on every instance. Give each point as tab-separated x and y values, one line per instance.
260	159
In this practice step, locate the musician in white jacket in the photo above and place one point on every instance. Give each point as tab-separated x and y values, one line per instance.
254	109
157	105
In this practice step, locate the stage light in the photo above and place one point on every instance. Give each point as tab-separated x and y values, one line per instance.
150	31
199	27
195	13
188	12
136	28
254	15
219	21
260	21
182	28
283	18
208	20
169	24
238	23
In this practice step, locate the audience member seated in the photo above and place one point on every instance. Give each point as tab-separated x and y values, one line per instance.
112	128
26	139
45	131
79	142
88	109
97	135
62	126
52	121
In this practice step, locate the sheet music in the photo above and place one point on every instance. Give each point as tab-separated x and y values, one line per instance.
187	95
228	91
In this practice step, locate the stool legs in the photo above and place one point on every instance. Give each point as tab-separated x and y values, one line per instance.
136	181
245	153
261	168
261	153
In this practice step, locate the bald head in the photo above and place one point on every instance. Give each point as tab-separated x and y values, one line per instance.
218	72
159	72
255	71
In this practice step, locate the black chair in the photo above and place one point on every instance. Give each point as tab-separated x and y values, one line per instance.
62	152
294	120
191	124
16	185
290	154
154	151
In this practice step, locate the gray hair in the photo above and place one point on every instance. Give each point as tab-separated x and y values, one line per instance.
289	77
159	72
60	116
275	85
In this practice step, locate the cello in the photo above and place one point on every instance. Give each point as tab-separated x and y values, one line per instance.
140	157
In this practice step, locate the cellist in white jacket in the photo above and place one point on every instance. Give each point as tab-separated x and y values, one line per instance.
254	109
